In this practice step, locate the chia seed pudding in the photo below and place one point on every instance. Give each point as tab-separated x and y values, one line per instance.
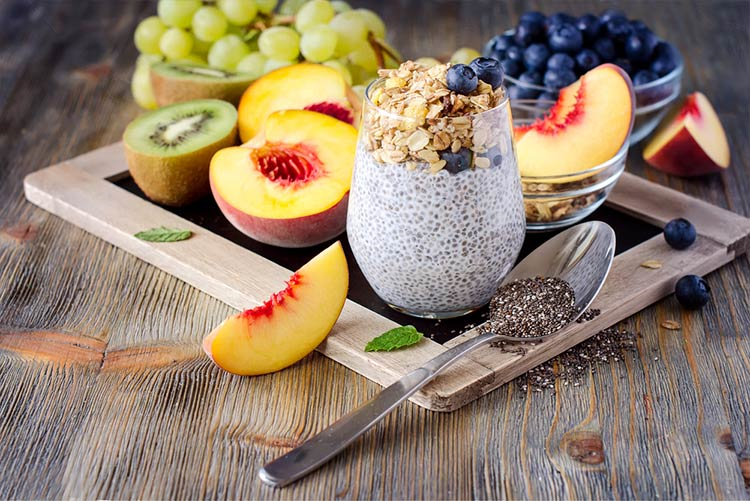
436	217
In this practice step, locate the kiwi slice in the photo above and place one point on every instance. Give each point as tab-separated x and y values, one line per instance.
178	82
169	150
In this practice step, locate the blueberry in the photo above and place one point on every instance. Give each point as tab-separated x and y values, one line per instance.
495	156
558	19
518	92
609	14
461	79
590	26
560	61
618	29
528	33
535	56
624	64
548	96
533	17
680	233
639	26
644	76
565	38
456	162
511	67
497	46
636	49
557	79
515	53
692	292
488	71
587	60
531	77
665	59
605	48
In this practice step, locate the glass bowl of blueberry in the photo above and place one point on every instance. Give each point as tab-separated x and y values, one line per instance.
556	201
544	54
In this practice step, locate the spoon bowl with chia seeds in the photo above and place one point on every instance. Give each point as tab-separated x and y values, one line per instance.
542	294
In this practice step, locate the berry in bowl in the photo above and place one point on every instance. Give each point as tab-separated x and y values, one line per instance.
572	151
544	54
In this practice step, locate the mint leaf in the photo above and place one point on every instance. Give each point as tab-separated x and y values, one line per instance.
400	337
162	234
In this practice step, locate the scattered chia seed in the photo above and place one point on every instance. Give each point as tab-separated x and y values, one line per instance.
589	314
532	307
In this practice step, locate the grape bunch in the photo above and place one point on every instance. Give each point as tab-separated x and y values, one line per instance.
255	37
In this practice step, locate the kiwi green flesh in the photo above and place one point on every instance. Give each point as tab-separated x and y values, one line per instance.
181	128
195	72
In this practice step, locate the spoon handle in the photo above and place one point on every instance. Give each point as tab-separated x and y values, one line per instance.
319	449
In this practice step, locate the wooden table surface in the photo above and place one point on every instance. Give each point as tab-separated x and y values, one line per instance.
158	420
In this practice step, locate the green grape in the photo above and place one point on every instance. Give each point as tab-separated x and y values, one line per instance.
226	52
192	59
351	31
141	88
372	21
364	57
339	6
464	55
147	60
290	7
279	42
209	24
200	47
253	64
359	74
313	13
147	35
427	62
341	68
266	6
176	43
239	12
318	43
275	64
177	13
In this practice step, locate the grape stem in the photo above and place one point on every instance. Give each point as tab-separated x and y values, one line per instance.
380	49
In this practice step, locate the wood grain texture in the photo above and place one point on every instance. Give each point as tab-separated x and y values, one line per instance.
672	419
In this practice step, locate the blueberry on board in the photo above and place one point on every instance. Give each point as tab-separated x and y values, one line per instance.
531	77
462	79
636	49
557	79
680	233
590	26
605	48
496	46
587	60
456	162
528	33
560	61
535	56
618	29
533	17
624	64
511	68
692	292
565	38
515	53
608	14
644	76
488	71
547	96
519	92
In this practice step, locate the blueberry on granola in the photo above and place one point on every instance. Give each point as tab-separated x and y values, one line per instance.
488	71
456	162
461	79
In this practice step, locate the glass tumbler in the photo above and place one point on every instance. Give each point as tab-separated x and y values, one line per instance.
435	236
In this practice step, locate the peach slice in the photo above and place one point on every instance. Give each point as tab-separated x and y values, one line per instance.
290	186
693	143
291	324
588	125
303	86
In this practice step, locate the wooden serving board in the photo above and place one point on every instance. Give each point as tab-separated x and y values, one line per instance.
79	191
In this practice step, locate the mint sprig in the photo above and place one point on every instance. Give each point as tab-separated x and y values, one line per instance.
163	234
400	337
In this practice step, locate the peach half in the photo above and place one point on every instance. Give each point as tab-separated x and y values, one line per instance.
588	125
287	327
289	186
693	143
304	86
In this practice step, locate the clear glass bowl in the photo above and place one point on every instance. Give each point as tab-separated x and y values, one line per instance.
652	100
553	202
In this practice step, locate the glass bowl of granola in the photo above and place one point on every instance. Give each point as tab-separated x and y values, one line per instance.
553	202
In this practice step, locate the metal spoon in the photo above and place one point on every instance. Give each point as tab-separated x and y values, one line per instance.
581	255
